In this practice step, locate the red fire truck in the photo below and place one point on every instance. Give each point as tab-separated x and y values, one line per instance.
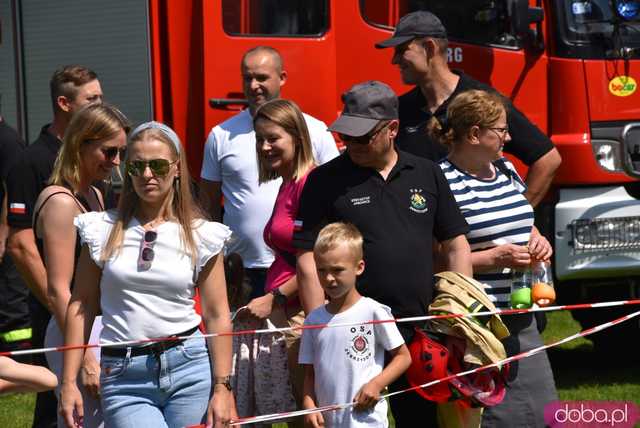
571	65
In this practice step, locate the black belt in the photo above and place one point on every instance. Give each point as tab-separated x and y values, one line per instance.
155	348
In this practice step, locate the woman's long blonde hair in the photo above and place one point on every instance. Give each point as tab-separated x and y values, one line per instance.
92	123
286	114
468	109
179	206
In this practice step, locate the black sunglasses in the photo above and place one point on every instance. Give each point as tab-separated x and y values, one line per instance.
158	167
146	253
111	152
363	139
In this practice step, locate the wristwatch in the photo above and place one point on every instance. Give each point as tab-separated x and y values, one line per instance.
278	297
223	380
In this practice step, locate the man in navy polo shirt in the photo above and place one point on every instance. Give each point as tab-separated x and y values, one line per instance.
420	52
401	204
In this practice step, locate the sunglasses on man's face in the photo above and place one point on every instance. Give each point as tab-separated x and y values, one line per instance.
363	139
158	167
111	152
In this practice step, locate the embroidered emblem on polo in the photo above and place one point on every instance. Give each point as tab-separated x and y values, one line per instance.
418	202
361	201
359	348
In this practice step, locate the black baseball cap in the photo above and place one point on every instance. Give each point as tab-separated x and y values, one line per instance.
365	105
412	25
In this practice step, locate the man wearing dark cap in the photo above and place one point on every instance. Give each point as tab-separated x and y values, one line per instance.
420	51
400	203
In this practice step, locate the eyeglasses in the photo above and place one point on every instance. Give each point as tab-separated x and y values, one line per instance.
111	152
146	250
364	139
158	167
500	132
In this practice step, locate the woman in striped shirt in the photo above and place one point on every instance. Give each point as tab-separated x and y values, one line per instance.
502	237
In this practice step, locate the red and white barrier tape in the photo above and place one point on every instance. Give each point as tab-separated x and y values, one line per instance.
320	326
279	416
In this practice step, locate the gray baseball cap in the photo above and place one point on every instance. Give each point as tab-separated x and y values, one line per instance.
365	105
412	25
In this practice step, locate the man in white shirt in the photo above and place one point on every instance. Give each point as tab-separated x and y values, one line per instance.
230	165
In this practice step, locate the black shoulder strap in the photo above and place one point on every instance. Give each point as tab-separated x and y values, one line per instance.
502	167
85	203
37	213
95	192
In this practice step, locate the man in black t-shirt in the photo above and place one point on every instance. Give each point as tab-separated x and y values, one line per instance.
15	323
72	87
400	203
420	52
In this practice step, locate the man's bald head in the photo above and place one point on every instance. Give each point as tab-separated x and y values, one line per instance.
262	75
264	50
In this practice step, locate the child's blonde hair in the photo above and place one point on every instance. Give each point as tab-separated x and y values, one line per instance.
338	233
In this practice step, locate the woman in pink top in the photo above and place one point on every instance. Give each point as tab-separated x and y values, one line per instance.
284	151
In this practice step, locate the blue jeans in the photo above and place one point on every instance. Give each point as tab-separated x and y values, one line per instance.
171	389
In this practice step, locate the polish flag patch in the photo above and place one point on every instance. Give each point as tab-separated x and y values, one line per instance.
15	208
297	225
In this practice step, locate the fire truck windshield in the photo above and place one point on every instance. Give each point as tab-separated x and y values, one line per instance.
592	29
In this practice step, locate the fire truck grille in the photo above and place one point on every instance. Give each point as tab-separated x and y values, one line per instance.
605	234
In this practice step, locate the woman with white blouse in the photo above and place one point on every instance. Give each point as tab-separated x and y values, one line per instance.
140	265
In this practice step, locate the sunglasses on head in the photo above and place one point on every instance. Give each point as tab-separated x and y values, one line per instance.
158	167
111	152
146	251
363	139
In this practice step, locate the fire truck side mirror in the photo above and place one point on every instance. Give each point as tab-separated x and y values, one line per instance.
522	16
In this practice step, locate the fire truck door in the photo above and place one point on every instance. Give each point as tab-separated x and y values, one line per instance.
301	31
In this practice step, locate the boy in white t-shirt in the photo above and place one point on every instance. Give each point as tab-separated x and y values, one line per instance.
346	364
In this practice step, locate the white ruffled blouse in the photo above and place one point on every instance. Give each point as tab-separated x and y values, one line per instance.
141	304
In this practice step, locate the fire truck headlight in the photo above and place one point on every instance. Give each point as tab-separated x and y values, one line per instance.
607	154
628	9
617	233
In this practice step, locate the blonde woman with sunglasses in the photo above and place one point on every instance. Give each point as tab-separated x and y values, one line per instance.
140	265
91	148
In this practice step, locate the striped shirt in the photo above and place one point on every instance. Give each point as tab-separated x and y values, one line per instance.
497	213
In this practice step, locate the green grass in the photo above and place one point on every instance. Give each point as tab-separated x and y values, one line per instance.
585	373
16	410
581	372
